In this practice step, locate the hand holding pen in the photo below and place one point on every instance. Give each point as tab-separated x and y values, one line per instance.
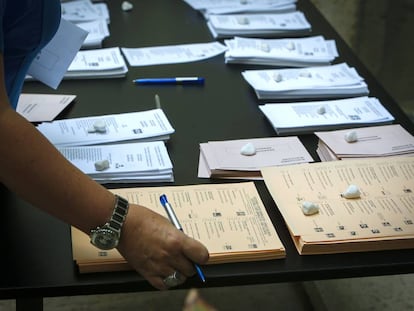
173	280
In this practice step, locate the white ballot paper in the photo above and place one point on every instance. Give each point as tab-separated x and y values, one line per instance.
244	158
129	163
97	31
247	6
373	141
293	52
51	64
237	5
97	63
258	25
172	54
80	11
338	80
306	117
133	126
42	107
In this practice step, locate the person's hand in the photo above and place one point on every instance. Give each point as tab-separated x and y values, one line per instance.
156	249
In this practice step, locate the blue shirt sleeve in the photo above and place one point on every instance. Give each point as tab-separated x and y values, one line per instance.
26	26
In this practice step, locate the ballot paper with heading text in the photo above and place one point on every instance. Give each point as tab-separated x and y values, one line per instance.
124	163
229	219
286	52
97	63
225	159
308	117
373	141
381	218
132	126
333	81
258	25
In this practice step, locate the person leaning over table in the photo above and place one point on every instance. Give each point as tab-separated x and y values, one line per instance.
33	168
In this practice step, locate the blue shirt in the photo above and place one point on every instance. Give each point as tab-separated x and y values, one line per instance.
26	26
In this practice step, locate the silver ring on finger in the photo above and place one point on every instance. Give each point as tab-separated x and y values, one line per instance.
173	279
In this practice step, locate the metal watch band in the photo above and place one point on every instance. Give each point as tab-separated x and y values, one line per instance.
119	214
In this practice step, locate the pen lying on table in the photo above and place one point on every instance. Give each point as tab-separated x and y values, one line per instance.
175	80
173	218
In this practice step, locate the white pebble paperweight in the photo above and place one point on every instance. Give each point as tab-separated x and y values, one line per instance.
351	136
248	149
352	192
100	126
126	6
101	165
310	208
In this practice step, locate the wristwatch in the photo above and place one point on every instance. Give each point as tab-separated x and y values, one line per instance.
107	237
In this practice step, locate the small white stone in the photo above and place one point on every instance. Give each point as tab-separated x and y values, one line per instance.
321	110
265	47
91	129
290	46
352	192
351	136
101	165
243	20
100	126
278	77
243	1
310	208
127	6
248	149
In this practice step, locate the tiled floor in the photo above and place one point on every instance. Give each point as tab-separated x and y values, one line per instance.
380	32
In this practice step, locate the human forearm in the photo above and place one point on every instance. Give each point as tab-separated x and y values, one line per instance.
31	167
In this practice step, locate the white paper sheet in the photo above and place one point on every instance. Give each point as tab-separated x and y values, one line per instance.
172	54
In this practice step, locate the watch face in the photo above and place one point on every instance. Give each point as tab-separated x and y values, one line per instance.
104	239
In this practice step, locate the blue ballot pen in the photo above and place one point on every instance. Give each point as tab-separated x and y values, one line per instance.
173	218
175	80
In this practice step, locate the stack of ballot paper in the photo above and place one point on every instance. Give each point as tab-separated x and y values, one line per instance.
97	31
118	163
244	158
172	54
97	63
293	52
366	142
308	117
233	230
258	25
332	81
92	17
208	7
378	216
134	126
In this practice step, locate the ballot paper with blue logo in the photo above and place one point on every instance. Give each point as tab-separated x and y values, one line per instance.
308	117
292	52
258	25
149	125
207	7
122	163
333	81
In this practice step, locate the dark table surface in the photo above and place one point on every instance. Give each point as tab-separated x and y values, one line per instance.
36	259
